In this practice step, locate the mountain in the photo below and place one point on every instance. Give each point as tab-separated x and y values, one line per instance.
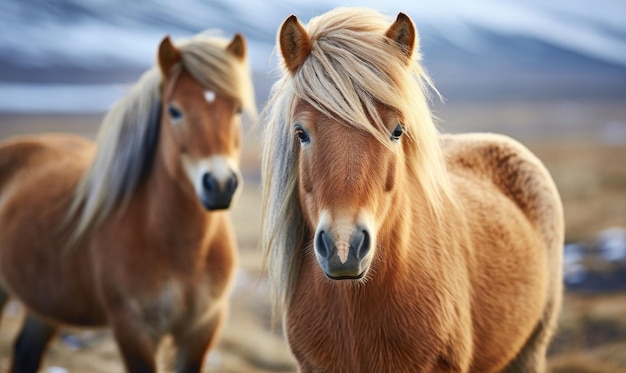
474	50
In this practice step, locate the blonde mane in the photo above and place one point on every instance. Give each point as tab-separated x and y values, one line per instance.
128	135
352	67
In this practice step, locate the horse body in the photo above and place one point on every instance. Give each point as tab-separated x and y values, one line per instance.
157	258
516	241
394	248
32	178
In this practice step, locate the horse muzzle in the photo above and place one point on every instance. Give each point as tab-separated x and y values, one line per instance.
343	260
217	194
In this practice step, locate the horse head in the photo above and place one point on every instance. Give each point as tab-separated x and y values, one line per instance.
347	168
203	127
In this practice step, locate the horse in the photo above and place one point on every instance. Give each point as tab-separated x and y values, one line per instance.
132	232
389	245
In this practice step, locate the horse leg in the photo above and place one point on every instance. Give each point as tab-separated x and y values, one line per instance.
4	297
136	344
192	345
532	357
31	344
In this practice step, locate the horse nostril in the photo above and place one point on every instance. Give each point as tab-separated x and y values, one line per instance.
360	243
324	245
209	183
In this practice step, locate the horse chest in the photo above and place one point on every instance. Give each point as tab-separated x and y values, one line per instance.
175	303
339	339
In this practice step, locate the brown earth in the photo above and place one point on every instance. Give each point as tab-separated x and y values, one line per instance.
568	136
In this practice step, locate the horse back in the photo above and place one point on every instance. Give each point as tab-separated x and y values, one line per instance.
22	152
515	172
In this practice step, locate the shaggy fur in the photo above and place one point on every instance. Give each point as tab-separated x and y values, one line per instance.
463	234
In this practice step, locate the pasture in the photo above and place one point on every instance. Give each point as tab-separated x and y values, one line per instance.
573	139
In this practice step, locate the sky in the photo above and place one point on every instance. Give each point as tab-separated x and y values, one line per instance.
98	34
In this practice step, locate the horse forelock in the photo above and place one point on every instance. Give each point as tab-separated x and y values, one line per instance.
205	57
128	135
352	68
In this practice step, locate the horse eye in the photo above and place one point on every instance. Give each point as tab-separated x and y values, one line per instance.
397	132
302	135
174	113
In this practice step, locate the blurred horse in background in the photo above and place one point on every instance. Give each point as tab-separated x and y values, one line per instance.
132	231
392	247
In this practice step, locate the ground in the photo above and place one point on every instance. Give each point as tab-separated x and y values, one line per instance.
576	140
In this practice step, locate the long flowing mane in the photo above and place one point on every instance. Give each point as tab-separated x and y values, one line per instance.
352	67
128	135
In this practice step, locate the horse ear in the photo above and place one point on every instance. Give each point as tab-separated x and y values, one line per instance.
403	33
169	55
295	45
238	46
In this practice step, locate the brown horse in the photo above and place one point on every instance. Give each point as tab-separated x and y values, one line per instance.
127	232
393	248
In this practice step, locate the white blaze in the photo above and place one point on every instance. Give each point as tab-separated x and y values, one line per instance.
209	96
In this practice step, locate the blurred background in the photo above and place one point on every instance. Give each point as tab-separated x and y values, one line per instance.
551	74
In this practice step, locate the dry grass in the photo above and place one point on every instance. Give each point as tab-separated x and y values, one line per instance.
591	336
590	176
